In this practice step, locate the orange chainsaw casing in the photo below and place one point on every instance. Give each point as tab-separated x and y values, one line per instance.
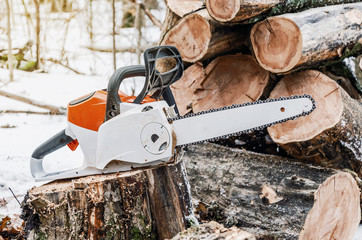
89	111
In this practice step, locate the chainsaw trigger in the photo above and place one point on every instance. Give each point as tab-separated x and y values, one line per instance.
73	145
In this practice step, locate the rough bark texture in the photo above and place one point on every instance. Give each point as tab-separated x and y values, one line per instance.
149	204
238	10
329	136
227	184
339	29
293	6
199	38
227	80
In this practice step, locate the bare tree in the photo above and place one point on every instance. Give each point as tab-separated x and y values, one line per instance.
138	26
114	34
10	54
37	30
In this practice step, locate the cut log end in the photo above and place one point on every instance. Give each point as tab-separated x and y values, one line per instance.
329	106
336	212
191	36
231	79
277	44
227	80
222	10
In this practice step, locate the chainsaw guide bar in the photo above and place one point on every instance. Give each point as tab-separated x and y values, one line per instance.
259	127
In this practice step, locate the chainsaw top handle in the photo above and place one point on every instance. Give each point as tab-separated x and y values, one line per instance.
155	79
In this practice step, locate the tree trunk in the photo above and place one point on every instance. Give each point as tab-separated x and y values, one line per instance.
114	35
37	33
288	41
270	196
142	204
329	136
227	80
10	54
199	38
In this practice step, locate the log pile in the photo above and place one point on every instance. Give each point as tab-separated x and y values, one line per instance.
235	52
251	50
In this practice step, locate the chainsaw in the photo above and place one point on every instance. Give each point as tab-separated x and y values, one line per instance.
117	132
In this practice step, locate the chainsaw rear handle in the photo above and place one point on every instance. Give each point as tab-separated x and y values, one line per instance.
113	100
56	142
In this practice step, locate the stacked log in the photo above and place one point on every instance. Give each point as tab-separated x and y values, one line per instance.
270	196
284	45
276	49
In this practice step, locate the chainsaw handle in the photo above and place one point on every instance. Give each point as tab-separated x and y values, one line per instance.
113	100
56	142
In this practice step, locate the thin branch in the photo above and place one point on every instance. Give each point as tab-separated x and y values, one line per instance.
153	19
10	54
28	112
62	64
53	109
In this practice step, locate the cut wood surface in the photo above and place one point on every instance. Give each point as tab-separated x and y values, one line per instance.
148	204
332	134
191	36
183	90
226	184
337	198
199	38
227	80
287	41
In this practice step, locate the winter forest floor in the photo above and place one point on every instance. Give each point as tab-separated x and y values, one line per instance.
20	134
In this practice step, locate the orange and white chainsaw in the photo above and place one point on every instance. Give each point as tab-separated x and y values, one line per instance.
117	132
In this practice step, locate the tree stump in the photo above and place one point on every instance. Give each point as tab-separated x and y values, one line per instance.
142	204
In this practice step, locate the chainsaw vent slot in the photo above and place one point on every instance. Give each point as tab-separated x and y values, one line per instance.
163	146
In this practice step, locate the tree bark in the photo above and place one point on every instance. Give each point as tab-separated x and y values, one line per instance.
199	38
227	80
227	186
237	10
329	136
288	41
10	54
142	204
